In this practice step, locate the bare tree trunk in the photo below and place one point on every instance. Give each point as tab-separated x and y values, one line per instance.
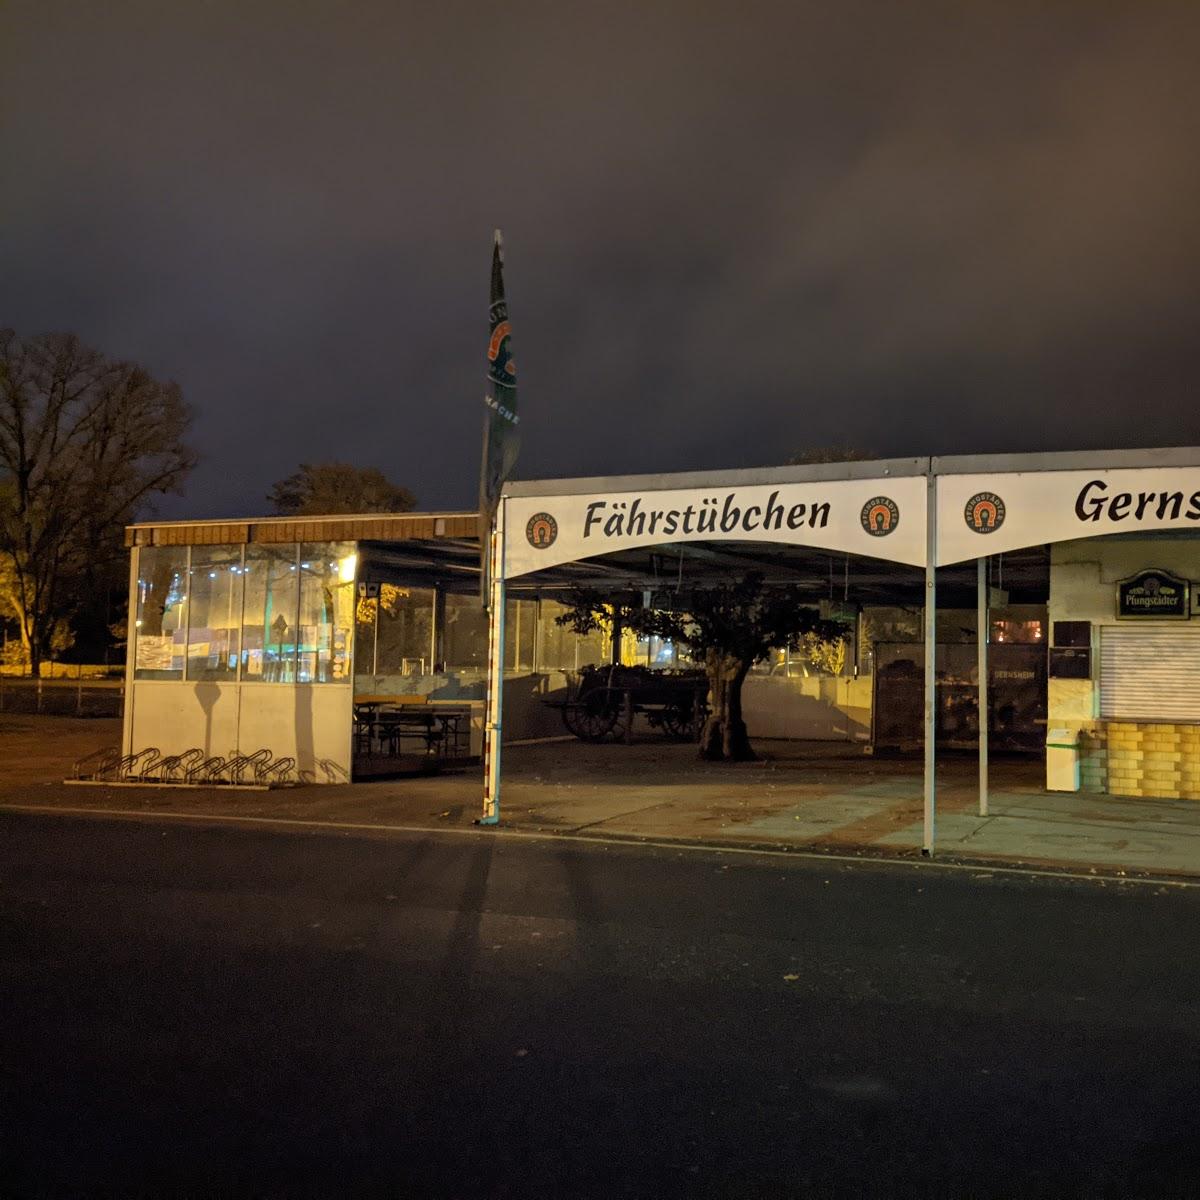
33	649
724	737
736	741
712	735
32	638
618	634
21	599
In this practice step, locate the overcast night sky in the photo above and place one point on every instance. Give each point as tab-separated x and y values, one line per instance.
732	231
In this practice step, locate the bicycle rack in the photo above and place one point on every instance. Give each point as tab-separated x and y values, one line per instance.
334	772
204	770
129	767
241	763
175	768
194	766
277	771
101	764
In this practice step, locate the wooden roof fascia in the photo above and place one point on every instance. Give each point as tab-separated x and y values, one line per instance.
383	527
216	534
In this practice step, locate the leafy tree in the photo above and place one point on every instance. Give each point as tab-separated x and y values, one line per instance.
321	489
60	638
727	627
85	441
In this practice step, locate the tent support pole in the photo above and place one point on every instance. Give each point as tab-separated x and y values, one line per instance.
982	636
493	724
930	810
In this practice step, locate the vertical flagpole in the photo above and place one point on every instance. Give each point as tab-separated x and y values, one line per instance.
493	726
499	455
486	516
930	664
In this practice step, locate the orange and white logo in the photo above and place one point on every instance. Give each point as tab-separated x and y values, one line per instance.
984	512
880	515
541	530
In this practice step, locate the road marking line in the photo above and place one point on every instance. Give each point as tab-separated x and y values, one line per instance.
920	864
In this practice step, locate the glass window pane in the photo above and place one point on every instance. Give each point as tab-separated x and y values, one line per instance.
214	612
466	640
159	625
553	654
1014	630
663	654
272	585
326	617
520	617
366	616
560	648
405	630
591	649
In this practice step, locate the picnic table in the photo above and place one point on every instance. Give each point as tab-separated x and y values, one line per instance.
383	723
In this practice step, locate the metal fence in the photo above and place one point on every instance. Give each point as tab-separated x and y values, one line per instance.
63	697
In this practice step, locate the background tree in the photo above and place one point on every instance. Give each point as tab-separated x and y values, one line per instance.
727	628
319	489
85	441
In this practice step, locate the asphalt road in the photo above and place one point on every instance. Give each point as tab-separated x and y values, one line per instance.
235	1012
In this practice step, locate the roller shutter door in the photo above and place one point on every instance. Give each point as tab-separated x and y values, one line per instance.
1150	673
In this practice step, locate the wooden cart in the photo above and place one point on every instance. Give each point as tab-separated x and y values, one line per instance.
603	702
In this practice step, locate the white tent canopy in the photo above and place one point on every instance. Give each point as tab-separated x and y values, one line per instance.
924	512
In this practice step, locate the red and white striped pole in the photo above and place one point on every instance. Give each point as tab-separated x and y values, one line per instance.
494	707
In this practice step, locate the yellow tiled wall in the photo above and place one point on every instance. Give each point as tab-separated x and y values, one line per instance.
1124	758
1127	758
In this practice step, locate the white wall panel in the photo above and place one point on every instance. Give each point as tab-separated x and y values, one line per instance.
308	722
176	717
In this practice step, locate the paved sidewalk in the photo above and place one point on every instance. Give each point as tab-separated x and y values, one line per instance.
802	796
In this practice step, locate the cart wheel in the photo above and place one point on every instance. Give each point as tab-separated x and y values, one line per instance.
598	715
681	723
570	714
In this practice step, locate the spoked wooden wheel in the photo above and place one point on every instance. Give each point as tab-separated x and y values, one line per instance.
681	723
597	715
588	719
570	719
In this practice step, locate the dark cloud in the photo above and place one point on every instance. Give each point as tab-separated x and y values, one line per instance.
733	231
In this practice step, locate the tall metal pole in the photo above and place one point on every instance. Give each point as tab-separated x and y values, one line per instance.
982	636
930	663
375	638
242	629
493	726
433	631
132	633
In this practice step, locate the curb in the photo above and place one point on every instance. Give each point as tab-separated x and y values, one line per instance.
883	856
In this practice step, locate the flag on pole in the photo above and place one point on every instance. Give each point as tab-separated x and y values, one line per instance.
501	438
